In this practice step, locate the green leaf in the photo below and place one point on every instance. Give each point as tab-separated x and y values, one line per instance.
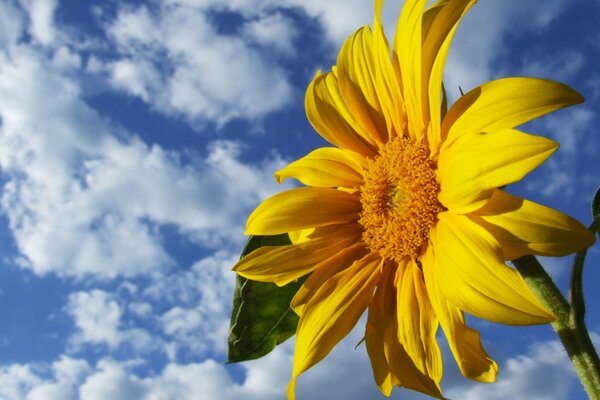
261	317
596	204
596	211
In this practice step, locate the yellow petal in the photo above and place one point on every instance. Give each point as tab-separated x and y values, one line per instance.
300	236
524	227
417	323
407	50
439	25
472	276
381	311
356	65
325	270
332	313
325	167
506	103
284	264
429	16
386	80
391	364
464	342
402	368
302	208
472	166
330	116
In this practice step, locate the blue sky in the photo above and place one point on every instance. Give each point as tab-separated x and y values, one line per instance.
135	138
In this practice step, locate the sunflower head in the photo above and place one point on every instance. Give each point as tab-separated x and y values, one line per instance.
405	214
399	200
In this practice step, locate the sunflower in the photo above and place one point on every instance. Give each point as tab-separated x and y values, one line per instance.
406	216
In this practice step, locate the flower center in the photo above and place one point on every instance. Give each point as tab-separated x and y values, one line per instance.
399	200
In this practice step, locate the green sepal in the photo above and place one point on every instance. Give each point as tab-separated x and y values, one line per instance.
261	317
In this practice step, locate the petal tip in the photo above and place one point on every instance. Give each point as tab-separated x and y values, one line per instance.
279	177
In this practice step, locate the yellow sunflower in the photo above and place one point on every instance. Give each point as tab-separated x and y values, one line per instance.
406	215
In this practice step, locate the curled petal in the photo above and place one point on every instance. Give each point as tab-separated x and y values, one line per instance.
417	322
391	363
325	167
356	74
465	344
439	25
407	50
386	80
331	118
524	227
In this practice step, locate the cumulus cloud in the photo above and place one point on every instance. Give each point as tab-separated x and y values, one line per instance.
12	24
201	305
97	317
114	380
83	197
274	32
55	381
111	381
41	15
544	373
176	60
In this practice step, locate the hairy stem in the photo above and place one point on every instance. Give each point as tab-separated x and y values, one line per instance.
570	324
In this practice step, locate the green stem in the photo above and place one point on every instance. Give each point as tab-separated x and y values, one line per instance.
569	325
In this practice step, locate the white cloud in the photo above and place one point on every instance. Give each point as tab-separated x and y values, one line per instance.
141	309
544	373
41	14
138	78
16	380
341	18
134	28
206	380
210	76
11	24
275	32
111	381
67	373
97	316
202	298
81	201
27	381
65	59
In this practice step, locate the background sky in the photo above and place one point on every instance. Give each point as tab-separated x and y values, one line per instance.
135	138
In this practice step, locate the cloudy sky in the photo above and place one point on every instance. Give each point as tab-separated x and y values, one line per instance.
135	137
